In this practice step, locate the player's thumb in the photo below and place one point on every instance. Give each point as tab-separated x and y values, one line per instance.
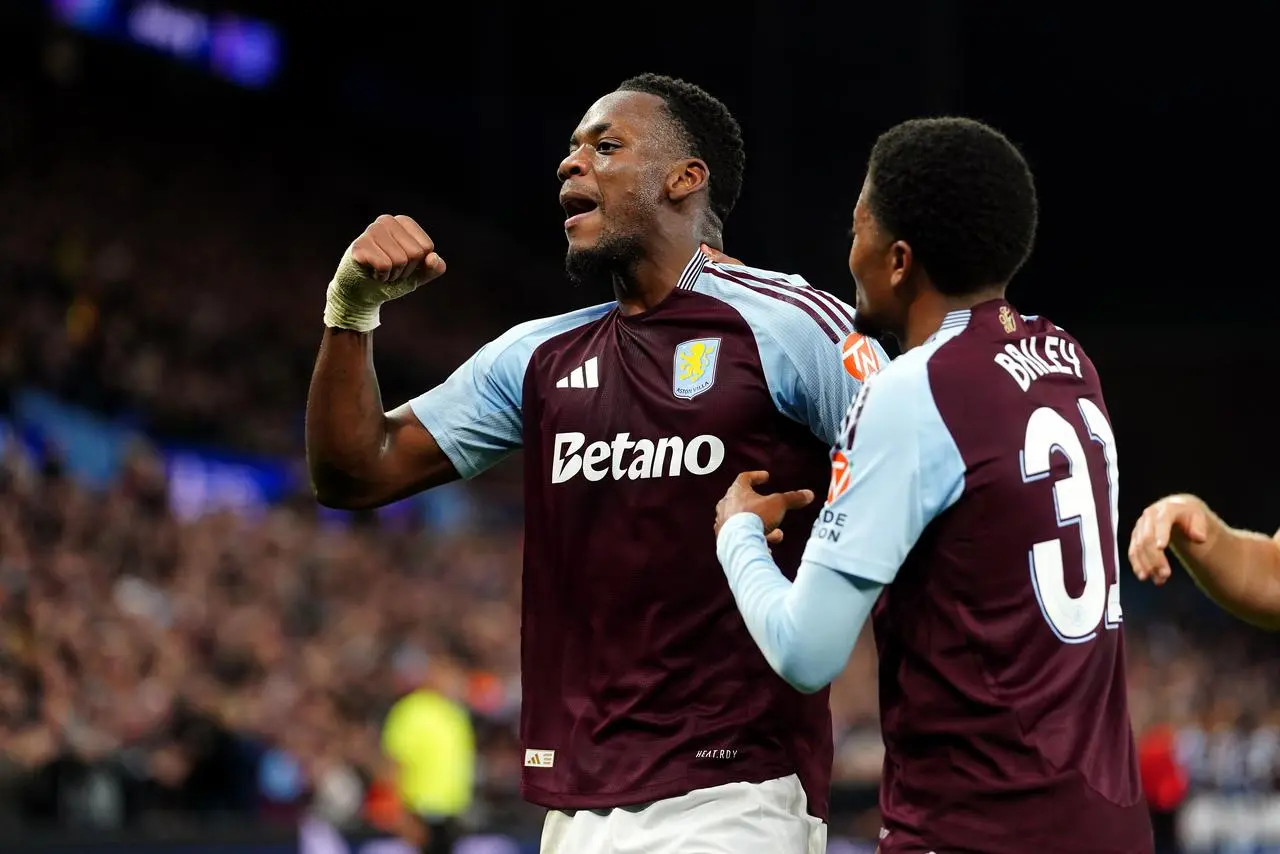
797	498
434	265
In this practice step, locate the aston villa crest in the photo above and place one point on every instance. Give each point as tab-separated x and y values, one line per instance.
695	367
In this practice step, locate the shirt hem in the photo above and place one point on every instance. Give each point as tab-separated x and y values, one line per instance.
652	792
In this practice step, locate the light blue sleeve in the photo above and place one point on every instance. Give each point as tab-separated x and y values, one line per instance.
801	334
476	414
806	630
895	469
819	389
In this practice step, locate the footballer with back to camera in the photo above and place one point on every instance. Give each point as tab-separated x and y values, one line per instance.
971	514
650	720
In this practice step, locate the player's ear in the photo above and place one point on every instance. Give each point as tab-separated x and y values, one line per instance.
689	177
901	262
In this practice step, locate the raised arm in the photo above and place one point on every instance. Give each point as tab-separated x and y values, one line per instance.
1240	570
360	456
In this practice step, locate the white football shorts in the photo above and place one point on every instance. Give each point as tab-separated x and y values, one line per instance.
737	818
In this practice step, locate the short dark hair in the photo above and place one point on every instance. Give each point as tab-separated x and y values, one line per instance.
710	130
960	194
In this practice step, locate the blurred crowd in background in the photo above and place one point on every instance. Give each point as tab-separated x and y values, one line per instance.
165	667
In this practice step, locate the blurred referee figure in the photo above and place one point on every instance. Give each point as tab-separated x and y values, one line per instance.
1240	570
429	740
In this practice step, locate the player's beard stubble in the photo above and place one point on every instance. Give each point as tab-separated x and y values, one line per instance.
617	252
613	256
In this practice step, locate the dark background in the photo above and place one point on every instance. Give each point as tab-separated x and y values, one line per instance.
1151	132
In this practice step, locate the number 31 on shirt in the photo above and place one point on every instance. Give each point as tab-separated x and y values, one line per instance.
1074	619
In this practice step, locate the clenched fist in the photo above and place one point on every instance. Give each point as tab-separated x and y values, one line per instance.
393	257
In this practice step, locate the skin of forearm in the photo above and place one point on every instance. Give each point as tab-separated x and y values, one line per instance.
1240	570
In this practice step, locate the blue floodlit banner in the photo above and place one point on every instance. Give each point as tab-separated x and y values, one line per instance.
200	479
93	449
243	50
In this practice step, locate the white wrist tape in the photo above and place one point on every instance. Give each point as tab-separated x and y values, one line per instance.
354	299
344	308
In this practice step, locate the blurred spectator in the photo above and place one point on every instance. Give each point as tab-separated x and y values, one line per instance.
1163	781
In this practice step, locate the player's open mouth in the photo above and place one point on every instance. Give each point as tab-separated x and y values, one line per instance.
577	207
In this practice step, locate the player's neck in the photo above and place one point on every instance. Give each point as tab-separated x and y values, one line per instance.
653	277
931	308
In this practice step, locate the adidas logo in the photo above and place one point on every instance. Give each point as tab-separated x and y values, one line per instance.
586	375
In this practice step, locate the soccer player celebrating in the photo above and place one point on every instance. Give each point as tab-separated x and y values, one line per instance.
972	506
1240	570
649	718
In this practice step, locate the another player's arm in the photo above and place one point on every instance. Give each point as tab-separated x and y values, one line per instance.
805	630
810	383
895	470
360	456
1240	570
